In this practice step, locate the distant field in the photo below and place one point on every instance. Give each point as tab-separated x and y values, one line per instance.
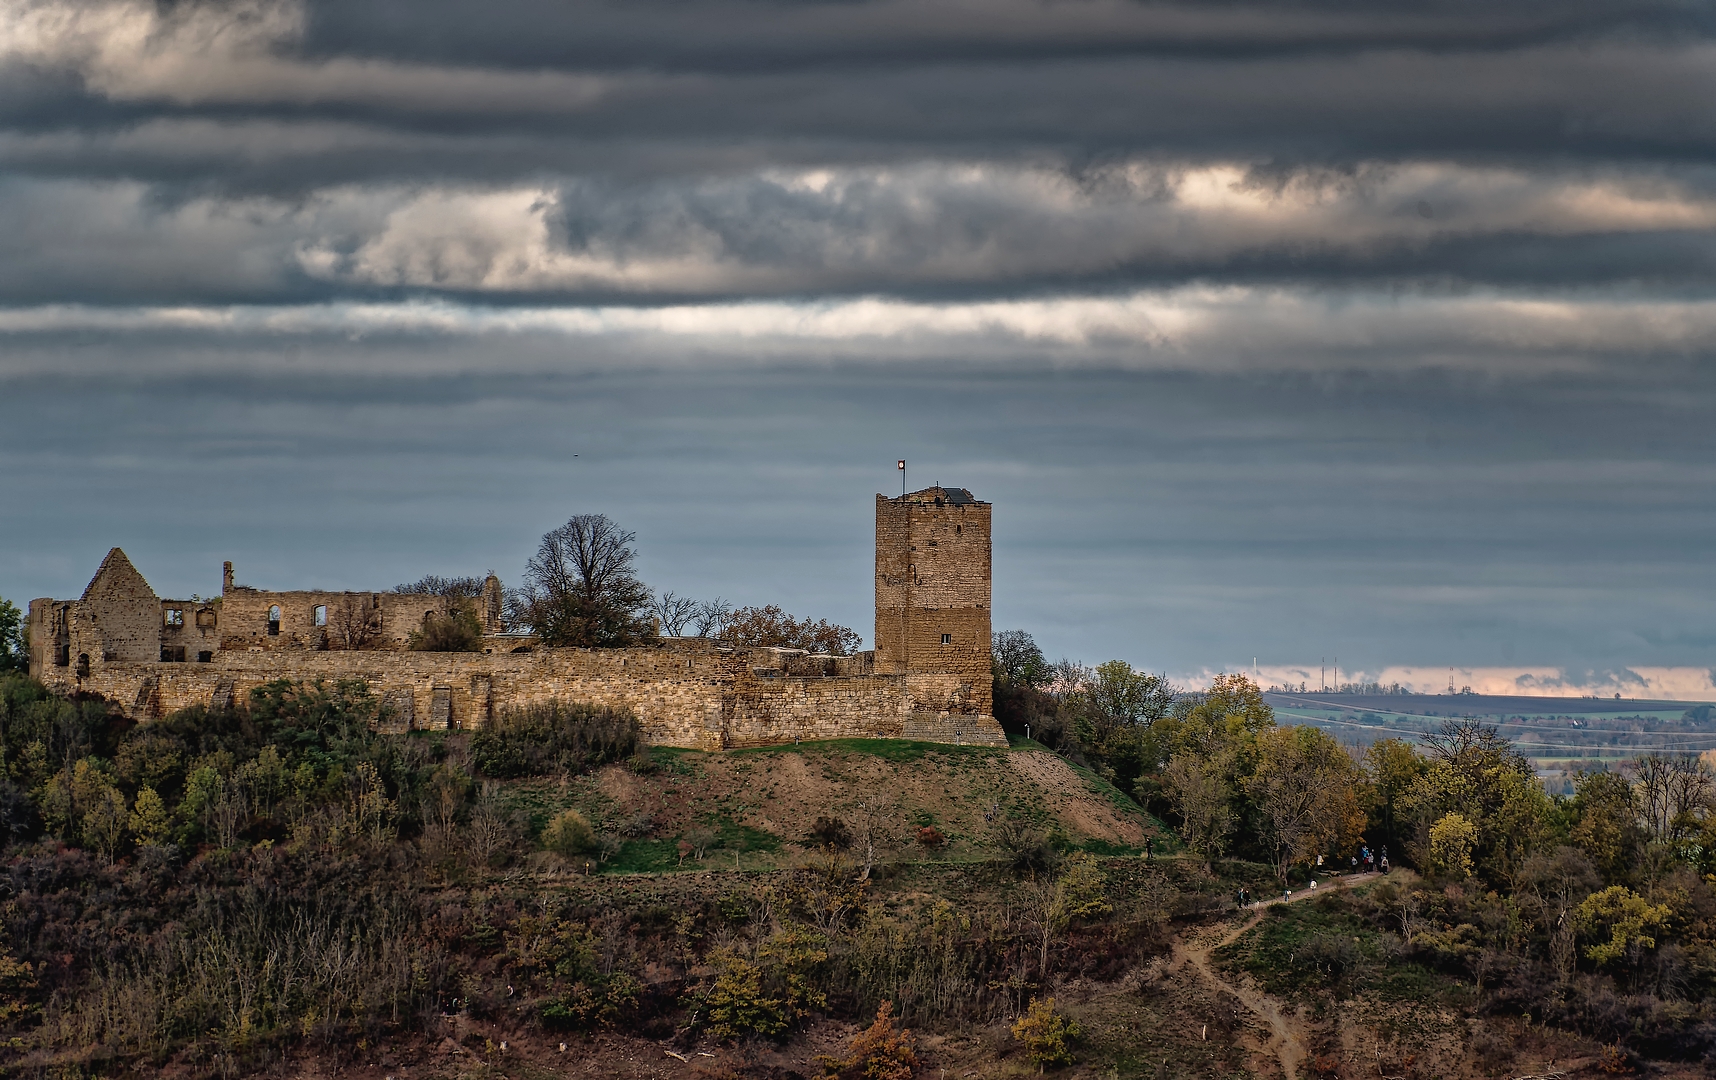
1561	735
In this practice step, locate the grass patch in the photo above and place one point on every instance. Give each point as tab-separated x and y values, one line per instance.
904	750
645	857
1322	946
677	760
1109	849
1019	742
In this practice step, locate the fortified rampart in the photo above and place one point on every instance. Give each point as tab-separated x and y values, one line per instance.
153	656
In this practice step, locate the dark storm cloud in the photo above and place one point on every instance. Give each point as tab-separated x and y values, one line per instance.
1272	329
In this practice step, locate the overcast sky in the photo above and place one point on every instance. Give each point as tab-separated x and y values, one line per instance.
1277	331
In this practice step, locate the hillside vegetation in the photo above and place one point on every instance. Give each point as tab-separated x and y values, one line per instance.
279	889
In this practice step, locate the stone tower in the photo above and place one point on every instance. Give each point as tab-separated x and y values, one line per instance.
932	589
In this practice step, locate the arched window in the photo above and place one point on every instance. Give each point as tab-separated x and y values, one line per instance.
274	620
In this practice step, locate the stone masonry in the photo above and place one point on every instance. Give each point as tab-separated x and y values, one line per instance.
927	679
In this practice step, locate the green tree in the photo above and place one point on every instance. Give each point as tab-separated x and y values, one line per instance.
1392	765
149	822
1046	1034
1452	839
1605	823
1477	773
1203	799
1015	659
1625	922
1225	719
568	834
12	645
460	630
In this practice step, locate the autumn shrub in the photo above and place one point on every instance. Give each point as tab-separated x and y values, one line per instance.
1046	1034
765	992
880	1052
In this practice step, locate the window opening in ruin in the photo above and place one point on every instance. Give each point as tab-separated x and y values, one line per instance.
175	616
205	658
947	639
172	654
273	622
206	618
321	617
82	664
62	656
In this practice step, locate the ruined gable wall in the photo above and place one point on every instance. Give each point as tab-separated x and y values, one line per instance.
121	612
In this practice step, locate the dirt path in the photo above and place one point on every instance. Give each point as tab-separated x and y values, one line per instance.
1287	1037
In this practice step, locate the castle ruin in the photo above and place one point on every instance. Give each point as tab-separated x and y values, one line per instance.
927	678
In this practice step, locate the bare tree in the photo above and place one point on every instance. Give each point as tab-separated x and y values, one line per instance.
1673	793
674	613
355	622
713	617
435	585
580	587
492	830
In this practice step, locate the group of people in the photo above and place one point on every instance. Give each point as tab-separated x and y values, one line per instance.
1368	857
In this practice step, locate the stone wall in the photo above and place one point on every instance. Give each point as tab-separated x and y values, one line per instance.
322	620
684	693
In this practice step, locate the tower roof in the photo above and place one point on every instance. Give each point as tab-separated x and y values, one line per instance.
953	496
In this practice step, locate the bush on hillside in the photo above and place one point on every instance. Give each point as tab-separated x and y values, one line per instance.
538	740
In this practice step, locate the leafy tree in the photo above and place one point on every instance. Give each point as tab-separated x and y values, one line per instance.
1477	773
1015	659
1392	767
1308	790
12	648
581	587
1225	719
568	834
1452	839
1605	823
149	822
1203	799
1020	681
1625	923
